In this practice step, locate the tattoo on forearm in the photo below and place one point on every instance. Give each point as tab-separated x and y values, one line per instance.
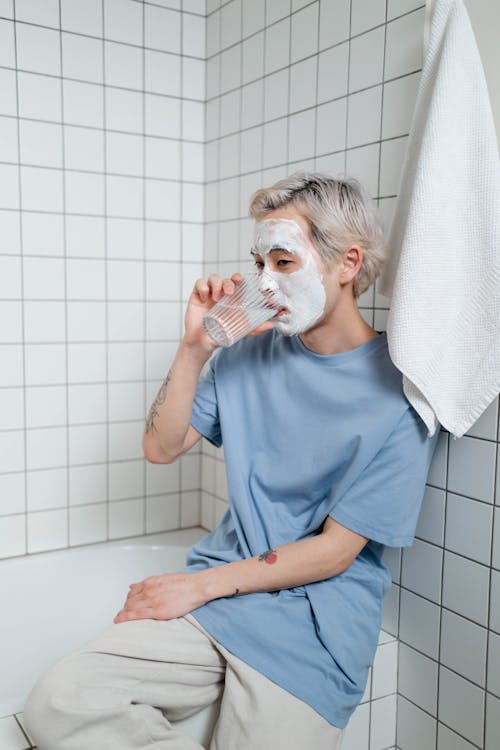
269	556
159	400
235	593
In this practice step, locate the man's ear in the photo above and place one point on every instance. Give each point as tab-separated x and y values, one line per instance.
351	262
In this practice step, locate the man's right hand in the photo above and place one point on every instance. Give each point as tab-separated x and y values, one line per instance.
204	296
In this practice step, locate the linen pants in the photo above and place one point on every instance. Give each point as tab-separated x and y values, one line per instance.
120	691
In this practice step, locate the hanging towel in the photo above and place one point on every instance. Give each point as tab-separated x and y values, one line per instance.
443	271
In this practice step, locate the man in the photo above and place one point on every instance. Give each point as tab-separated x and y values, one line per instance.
326	461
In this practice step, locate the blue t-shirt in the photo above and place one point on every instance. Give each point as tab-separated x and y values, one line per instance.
305	436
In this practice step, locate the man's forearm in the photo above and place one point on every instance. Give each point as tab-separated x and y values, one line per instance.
282	567
168	418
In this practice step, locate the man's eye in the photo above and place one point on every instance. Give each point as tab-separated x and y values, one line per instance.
259	264
282	262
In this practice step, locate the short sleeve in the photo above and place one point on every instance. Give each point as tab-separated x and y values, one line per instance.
383	503
205	412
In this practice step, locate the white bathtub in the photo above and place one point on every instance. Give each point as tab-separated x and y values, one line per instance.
53	602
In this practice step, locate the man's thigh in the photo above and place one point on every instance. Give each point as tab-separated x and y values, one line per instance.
257	713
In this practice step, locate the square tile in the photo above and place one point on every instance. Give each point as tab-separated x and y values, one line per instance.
303	84
82	19
41	189
85	193
163	29
430	526
13	494
82	57
416	729
392	155
124	154
334	22
404	44
418	678
38	49
39	96
88	524
193	35
332	72
47	489
301	135
230	23
277	46
253	16
364	117
469	662
163	116
83	104
83	148
331	127
7	46
421	569
230	68
461	705
8	100
123	21
399	104
276	94
124	67
253	57
8	140
492	721
363	163
47	530
304	33
276	9
126	519
493	683
464	453
193	79
251	104
468	527
419	623
366	15
366	59
30	11
9	186
465	587
41	143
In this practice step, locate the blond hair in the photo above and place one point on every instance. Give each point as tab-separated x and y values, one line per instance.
340	213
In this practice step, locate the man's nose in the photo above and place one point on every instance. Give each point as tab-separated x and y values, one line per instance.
267	283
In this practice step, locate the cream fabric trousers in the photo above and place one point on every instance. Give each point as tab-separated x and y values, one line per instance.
119	691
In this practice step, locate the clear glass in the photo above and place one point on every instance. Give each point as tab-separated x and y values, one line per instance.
236	315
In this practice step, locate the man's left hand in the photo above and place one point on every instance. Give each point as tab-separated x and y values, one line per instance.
162	597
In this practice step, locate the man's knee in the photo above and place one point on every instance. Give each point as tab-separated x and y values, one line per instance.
39	706
54	705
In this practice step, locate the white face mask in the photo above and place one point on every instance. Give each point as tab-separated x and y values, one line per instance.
301	292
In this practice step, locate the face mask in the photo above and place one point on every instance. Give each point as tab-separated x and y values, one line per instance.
301	292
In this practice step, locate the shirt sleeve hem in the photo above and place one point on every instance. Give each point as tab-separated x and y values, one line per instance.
204	429
377	535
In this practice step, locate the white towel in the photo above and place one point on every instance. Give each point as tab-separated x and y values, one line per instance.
443	271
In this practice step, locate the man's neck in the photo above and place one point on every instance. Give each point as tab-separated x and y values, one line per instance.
341	332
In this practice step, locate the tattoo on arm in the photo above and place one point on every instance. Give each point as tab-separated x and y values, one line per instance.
235	593
270	556
160	398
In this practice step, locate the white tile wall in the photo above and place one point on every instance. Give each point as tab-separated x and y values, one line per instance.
91	272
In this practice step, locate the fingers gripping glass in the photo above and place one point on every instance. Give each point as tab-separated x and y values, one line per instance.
236	315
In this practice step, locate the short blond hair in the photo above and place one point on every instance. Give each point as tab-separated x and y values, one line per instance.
340	213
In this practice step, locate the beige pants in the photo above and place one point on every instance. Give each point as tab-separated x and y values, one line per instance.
119	690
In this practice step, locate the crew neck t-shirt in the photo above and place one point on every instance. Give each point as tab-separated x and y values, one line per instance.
306	436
